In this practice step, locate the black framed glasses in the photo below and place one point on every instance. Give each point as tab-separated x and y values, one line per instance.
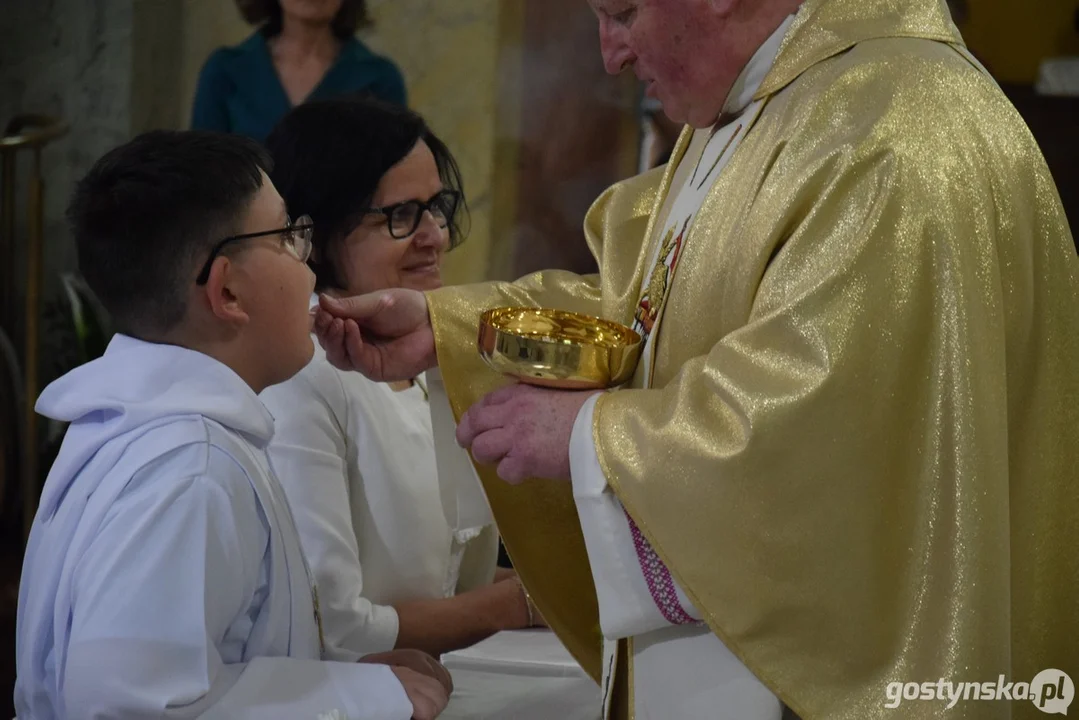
403	218
296	237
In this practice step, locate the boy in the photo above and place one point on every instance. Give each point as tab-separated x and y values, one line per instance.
164	576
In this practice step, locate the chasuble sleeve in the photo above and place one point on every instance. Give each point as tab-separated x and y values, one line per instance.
538	520
868	479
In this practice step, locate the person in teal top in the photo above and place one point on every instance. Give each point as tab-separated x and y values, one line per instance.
303	50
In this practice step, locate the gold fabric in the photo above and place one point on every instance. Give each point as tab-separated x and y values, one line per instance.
538	519
859	454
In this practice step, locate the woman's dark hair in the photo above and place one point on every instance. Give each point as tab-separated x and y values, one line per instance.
266	15
329	157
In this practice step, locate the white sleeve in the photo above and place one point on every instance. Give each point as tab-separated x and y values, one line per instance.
167	588
635	589
308	454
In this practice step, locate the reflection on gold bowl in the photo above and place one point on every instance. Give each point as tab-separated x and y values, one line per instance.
553	348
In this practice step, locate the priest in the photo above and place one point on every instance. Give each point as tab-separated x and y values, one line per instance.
848	455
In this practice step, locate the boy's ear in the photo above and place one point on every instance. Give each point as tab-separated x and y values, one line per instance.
224	302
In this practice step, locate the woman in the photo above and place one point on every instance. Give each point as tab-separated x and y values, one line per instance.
303	50
357	457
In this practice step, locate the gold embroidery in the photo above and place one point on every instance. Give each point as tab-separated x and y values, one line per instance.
659	282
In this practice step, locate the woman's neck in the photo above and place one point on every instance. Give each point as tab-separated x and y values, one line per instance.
301	41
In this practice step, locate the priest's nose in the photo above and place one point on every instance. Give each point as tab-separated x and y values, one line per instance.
616	53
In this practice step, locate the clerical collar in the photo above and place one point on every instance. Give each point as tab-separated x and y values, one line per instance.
753	74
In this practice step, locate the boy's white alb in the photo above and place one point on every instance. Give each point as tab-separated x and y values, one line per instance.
163	575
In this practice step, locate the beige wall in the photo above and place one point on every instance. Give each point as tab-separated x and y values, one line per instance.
207	25
448	50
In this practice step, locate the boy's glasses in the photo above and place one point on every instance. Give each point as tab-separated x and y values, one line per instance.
296	238
403	218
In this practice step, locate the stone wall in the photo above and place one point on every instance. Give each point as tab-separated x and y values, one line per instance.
71	59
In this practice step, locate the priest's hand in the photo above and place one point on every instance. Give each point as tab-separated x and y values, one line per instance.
524	430
386	335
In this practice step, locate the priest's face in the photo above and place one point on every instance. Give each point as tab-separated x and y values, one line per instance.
680	49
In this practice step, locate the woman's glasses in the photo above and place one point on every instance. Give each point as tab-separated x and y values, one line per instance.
296	237
403	218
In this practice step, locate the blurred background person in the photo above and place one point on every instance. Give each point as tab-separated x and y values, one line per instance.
302	50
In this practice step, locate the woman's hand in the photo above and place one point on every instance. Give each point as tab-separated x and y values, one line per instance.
415	660
523	612
427	696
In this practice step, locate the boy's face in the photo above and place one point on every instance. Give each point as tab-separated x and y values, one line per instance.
274	289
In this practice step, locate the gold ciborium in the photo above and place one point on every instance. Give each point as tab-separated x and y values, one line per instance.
554	348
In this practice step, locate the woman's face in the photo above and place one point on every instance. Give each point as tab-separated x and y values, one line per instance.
370	259
316	12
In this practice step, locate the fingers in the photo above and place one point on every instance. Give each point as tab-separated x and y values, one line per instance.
427	695
427	665
331	338
505	394
514	469
322	319
357	307
490	447
431	700
415	660
344	345
353	343
442	675
480	418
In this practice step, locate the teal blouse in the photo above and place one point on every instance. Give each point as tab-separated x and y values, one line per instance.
239	90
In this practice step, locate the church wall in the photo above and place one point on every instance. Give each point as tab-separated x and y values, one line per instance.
70	59
1012	37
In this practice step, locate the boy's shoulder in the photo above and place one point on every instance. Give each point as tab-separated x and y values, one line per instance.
191	446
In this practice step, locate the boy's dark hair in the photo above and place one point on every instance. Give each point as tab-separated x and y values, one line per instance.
329	157
147	214
266	14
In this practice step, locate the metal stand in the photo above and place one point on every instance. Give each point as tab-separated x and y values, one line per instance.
25	133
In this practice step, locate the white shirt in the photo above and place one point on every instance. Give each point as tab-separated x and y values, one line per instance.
357	462
164	576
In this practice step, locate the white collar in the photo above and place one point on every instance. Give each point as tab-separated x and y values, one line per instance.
753	74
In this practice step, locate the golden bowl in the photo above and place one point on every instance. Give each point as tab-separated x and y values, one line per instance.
553	348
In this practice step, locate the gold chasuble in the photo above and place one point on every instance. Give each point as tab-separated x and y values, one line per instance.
859	455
